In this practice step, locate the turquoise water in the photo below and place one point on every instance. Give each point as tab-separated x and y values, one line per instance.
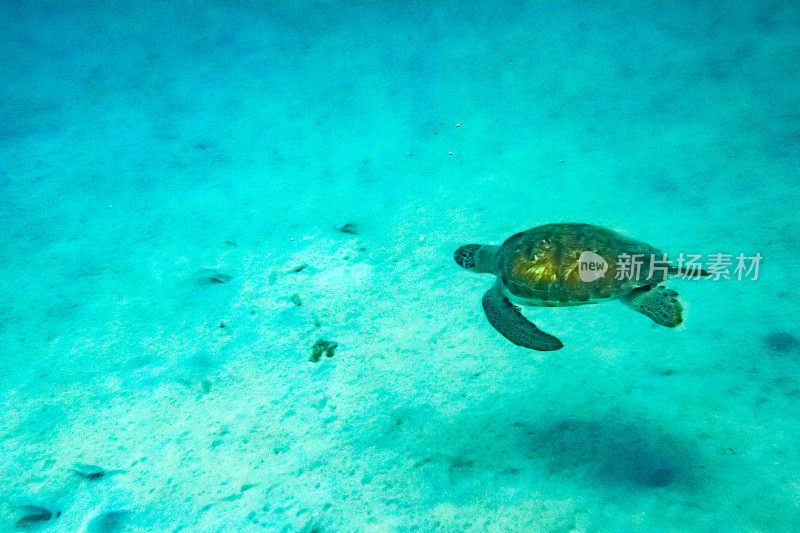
176	177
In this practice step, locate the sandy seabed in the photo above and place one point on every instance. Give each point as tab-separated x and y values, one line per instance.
173	174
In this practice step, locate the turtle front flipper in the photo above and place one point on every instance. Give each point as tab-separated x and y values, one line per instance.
506	319
659	303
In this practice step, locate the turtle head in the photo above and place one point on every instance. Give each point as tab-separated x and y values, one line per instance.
476	258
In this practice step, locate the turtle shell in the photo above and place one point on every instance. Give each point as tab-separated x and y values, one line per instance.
561	264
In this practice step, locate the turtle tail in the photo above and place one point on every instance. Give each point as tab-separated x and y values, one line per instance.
481	258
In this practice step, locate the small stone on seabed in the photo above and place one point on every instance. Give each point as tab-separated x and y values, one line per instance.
33	515
89	471
92	472
350	228
212	275
322	347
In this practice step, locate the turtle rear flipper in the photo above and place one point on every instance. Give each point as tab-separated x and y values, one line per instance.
659	303
509	322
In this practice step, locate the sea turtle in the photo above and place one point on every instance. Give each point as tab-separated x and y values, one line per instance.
570	264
